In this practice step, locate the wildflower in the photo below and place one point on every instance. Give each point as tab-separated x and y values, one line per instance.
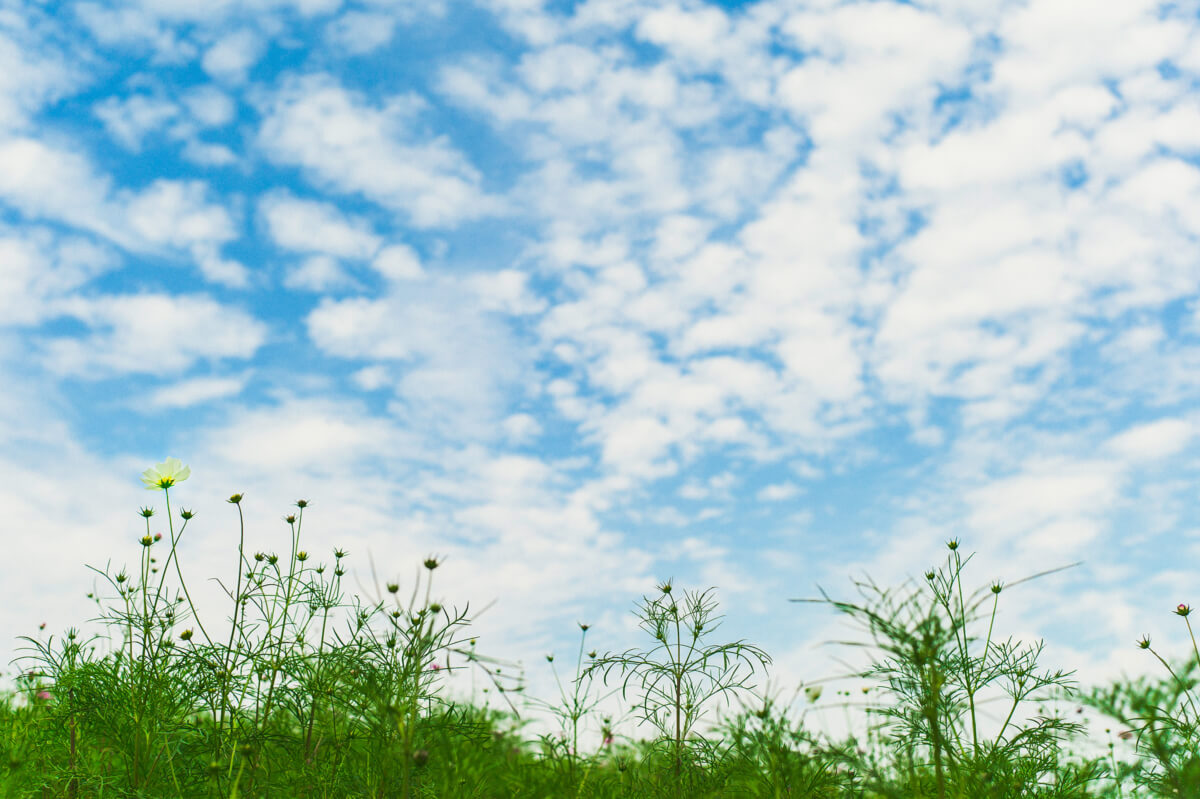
1183	610
158	536
186	635
165	475
435	667
45	696
236	499
147	540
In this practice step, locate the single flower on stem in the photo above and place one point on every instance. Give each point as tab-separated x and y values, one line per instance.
165	475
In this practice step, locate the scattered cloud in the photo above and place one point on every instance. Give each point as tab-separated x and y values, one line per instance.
344	142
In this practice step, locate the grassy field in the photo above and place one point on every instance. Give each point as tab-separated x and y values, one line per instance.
316	694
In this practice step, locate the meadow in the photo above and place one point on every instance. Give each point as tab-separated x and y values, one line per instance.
314	693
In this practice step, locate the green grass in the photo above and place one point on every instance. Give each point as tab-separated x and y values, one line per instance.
313	693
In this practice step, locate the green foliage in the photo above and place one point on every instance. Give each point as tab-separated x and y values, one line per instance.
935	671
315	694
681	673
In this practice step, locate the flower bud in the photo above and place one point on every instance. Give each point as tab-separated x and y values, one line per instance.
235	499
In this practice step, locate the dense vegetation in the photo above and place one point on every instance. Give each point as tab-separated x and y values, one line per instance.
313	694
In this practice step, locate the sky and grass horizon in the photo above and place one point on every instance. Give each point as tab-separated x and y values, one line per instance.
579	296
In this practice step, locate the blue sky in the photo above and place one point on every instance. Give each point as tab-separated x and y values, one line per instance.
583	295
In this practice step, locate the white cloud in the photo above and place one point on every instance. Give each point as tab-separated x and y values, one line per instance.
460	362
316	227
53	183
360	32
31	75
196	391
348	144
210	106
40	268
521	428
1152	440
232	56
319	273
206	154
777	492
506	290
864	60
130	119
398	262
149	334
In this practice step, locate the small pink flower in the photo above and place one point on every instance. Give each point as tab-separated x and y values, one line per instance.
44	696
158	536
608	739
435	667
